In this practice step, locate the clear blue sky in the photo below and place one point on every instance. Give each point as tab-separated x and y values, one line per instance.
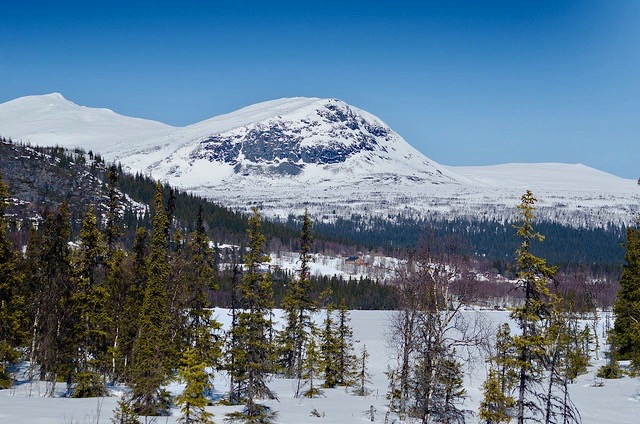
467	83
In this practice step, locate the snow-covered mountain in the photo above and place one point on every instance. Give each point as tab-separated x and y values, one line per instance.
323	154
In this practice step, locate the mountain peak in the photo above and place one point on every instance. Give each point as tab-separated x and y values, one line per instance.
54	95
39	102
284	137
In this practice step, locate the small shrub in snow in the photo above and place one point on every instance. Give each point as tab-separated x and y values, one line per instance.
89	384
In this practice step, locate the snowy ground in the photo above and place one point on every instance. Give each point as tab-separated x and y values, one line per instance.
618	401
382	268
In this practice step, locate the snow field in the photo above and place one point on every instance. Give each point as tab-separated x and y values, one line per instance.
617	402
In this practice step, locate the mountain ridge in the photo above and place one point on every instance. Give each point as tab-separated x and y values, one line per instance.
320	153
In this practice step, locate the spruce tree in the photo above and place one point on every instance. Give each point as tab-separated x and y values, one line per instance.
112	230
298	307
311	369
557	406
55	318
329	350
253	352
125	412
91	299
363	376
192	400
117	284
498	403
31	268
449	392
625	336
12	300
575	347
505	361
126	280
198	282
496	407
151	349
533	317
345	358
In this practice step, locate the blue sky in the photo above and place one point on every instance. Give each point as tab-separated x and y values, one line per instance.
467	83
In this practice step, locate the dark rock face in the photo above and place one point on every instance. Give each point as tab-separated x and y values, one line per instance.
278	144
38	179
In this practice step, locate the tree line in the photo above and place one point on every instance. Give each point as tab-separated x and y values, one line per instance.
88	312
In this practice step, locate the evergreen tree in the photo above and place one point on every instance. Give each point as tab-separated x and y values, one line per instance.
311	368
557	406
505	361
537	345
192	400
151	349
55	319
127	280
253	353
89	384
298	307
112	230
498	403
12	300
125	412
118	284
234	367
198	282
625	336
575	347
449	393
329	350
363	377
31	268
91	299
345	358
496	407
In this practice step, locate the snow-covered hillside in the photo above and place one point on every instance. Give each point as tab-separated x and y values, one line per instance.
322	154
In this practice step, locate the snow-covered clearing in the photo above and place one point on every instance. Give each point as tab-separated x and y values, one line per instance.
618	401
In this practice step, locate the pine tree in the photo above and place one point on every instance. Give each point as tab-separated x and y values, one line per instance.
625	336
126	280
505	361
298	307
151	349
557	406
112	229
32	269
575	347
12	300
199	281
54	323
363	377
498	403
91	300
496	407
311	369
125	412
192	400
449	393
253	353
345	358
329	350
534	317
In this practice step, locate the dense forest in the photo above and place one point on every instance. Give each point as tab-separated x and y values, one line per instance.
483	238
40	179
